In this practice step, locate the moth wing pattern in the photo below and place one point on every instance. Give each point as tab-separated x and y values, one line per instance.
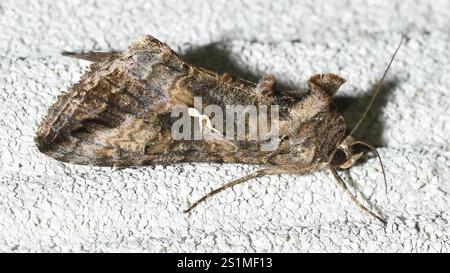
118	114
114	114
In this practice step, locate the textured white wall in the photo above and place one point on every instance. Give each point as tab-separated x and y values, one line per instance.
49	206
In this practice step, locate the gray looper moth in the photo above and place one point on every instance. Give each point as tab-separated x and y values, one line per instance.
120	114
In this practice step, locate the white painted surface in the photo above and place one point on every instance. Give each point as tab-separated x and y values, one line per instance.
49	206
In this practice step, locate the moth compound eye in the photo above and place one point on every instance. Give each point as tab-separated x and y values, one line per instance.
339	158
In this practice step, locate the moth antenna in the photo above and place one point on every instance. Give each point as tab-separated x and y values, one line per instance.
379	158
378	89
353	197
243	179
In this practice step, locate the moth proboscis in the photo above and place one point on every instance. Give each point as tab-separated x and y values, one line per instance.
119	114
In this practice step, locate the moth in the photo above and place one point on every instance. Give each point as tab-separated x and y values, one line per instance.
119	115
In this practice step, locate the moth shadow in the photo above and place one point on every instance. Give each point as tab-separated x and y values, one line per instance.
371	129
216	57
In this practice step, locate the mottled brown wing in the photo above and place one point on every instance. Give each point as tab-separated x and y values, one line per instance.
119	112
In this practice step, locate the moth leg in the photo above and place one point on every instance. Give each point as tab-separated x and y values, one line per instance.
266	85
243	179
353	197
259	173
92	56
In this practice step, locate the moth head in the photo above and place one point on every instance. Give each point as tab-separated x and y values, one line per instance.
344	156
